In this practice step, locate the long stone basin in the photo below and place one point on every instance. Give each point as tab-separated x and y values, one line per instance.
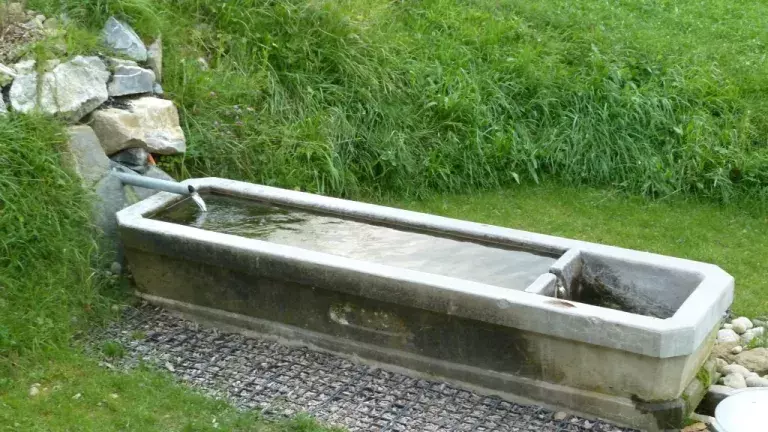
613	333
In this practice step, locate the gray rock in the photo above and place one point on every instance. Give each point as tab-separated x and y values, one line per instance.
741	324
6	75
735	369
72	90
720	364
122	39
737	349
116	268
155	58
110	198
755	381
135	159
158	89
727	335
85	156
3	108
756	360
130	80
735	381
149	122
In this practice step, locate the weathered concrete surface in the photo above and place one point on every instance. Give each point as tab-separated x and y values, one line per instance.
279	379
593	359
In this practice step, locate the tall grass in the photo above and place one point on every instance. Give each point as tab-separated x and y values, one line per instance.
47	287
411	97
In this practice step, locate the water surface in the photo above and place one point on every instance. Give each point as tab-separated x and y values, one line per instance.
364	241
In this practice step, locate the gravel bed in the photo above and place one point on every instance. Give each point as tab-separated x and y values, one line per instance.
282	380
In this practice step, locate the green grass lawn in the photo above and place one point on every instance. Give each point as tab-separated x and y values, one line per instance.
78	395
733	237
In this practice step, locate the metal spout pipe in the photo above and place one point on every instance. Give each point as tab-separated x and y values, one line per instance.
161	185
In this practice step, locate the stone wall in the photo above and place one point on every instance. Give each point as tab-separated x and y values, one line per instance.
114	104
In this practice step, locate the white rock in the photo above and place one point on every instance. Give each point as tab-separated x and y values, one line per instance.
122	39
737	349
203	63
727	326
741	324
720	364
756	381
114	62
130	80
72	90
735	381
6	75
149	123
735	369
3	108
155	58
34	390
85	156
560	415
24	67
727	335
751	334
158	89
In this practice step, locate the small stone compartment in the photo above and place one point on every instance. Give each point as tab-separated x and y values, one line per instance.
610	332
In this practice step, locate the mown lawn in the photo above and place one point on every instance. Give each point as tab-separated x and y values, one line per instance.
734	237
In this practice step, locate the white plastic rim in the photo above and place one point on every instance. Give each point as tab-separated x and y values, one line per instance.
743	411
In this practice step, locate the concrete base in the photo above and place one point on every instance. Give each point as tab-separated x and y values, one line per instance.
629	412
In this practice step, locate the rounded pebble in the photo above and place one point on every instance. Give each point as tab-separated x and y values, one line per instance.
737	349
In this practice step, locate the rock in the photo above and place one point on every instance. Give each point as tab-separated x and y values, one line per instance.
85	156
728	326
715	395
560	416
24	67
158	89
736	369
751	334
149	122
203	63
3	108
72	90
756	360
737	349
116	268
110	198
134	158
34	390
727	335
756	381
155	58
115	62
122	39
741	324
723	351
77	396
130	80
735	381
720	364
6	75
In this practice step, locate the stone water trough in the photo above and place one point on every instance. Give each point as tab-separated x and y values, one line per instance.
603	331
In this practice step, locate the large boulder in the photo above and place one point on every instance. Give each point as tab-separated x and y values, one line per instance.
122	39
130	80
135	159
149	122
72	89
85	156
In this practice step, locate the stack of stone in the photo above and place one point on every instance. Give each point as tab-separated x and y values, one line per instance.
116	107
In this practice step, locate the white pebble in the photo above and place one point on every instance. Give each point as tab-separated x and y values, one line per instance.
34	390
741	324
737	349
736	369
728	326
560	416
727	335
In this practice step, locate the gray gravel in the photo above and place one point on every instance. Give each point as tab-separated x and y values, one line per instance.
282	381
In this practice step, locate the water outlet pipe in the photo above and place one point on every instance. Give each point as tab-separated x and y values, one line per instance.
161	185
